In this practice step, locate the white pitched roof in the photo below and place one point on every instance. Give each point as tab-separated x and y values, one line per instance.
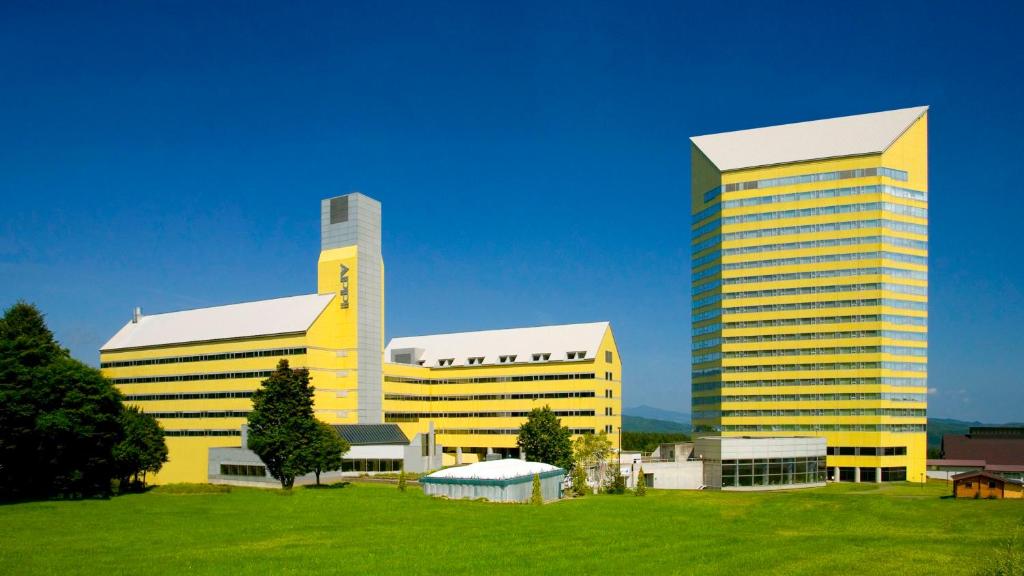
264	317
490	344
831	138
495	470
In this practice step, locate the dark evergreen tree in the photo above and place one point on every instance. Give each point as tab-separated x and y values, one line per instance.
543	439
328	450
641	483
142	448
59	419
282	429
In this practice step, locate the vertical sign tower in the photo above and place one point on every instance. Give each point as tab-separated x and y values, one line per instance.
351	268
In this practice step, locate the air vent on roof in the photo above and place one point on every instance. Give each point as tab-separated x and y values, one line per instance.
476	360
577	355
542	357
445	361
507	359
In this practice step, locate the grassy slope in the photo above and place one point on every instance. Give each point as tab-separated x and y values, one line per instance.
374	529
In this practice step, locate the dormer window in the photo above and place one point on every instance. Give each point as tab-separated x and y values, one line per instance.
576	355
475	360
445	362
542	357
507	359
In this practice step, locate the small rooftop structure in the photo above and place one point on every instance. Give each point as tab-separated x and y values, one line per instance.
289	315
567	342
509	480
371	434
819	139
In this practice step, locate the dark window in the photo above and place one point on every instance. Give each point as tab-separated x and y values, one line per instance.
608	356
339	210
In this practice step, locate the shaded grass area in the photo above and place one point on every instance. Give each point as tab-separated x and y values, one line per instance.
375	529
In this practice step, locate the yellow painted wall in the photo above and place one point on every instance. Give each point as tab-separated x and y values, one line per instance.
598	366
908	153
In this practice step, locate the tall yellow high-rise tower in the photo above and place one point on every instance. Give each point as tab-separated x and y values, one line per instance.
810	288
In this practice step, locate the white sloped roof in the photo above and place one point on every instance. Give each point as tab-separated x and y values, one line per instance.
264	317
832	138
495	470
490	344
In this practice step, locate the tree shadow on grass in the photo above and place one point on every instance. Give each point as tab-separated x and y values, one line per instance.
332	486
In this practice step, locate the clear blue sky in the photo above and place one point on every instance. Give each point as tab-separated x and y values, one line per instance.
532	159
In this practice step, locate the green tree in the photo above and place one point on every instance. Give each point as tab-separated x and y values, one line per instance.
641	483
589	451
543	439
616	483
328	450
579	480
142	448
58	417
536	497
401	478
282	428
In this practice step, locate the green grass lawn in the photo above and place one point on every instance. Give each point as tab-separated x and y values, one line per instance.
375	529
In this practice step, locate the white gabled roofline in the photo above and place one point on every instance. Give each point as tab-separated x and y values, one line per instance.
844	136
277	316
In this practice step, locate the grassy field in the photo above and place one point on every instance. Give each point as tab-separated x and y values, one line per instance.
375	529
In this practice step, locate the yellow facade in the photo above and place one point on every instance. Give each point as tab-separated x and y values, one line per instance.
476	409
810	304
200	391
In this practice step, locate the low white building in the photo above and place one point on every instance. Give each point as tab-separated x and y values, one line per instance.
734	463
509	480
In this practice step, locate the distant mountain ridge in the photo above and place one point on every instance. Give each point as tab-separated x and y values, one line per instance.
652	413
640	424
650	419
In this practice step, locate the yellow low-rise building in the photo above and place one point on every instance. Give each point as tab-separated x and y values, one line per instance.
196	370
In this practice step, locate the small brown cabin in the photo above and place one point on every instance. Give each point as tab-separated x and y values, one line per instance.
985	485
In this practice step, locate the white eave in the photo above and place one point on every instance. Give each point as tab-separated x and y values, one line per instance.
492	345
819	139
288	315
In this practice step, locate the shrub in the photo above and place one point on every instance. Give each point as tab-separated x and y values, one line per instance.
536	497
641	483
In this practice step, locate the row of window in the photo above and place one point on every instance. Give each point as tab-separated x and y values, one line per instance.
415	416
205	357
490	379
818	177
473	397
884	223
825	258
202	414
371	465
815	244
232	432
866	451
894	350
193	377
894	412
773	471
902	382
889	334
245	470
890	207
893	191
501	431
890	318
830	289
705	244
845	272
823	428
814	366
889	302
709	211
841	397
703	229
188	396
